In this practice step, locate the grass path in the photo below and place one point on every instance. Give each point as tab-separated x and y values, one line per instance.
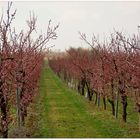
61	113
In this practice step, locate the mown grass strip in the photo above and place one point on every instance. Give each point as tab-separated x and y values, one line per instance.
64	114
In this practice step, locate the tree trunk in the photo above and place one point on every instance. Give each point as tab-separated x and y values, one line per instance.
75	86
98	99
138	107
104	102
89	95
113	106
117	103
5	133
112	98
83	87
22	116
122	92
58	73
139	119
22	120
88	91
4	125
78	87
124	102
92	93
65	76
18	107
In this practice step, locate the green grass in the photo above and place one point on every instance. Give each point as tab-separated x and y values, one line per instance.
59	112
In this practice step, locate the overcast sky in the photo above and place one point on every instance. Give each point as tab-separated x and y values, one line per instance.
87	17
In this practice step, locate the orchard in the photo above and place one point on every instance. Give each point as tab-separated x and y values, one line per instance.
81	92
107	71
